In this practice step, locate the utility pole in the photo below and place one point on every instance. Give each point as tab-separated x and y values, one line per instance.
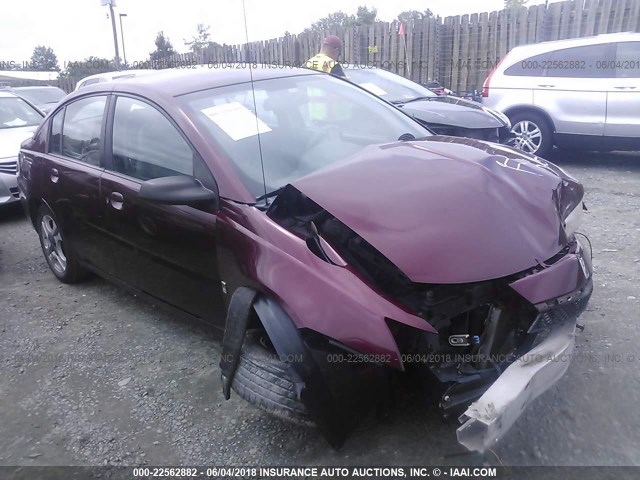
124	54
111	4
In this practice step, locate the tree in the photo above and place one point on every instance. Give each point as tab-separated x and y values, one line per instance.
339	19
331	21
414	15
364	16
515	3
44	59
89	66
163	49
201	40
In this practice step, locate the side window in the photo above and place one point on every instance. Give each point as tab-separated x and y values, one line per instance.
529	67
628	60
145	143
82	129
55	133
589	61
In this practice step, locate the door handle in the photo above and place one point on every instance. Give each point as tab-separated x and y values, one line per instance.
54	175
546	86
625	87
116	200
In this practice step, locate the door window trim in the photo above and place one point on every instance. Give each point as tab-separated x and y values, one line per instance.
103	128
211	183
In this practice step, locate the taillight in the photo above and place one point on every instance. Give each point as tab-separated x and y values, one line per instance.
485	85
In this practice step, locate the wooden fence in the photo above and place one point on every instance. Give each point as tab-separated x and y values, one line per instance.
457	51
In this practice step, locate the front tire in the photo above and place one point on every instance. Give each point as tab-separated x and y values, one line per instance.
262	380
61	260
533	133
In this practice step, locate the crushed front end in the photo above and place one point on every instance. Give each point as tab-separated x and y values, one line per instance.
462	269
495	344
501	343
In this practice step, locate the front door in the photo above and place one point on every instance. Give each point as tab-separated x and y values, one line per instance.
623	99
573	89
167	251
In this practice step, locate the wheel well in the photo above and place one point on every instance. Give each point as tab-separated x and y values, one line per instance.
527	108
34	206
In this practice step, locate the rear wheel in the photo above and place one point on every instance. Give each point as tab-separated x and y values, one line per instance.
533	134
62	262
262	380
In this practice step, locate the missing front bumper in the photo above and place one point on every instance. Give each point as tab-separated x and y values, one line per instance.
488	419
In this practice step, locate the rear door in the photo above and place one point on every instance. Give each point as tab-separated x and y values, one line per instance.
167	251
573	89
71	183
623	100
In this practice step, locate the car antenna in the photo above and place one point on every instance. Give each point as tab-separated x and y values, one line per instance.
255	106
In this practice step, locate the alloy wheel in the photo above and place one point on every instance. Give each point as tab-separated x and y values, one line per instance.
528	136
52	244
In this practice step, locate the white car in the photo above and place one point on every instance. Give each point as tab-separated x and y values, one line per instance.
581	92
109	76
18	120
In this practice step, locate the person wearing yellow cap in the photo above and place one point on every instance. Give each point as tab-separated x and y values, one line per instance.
327	59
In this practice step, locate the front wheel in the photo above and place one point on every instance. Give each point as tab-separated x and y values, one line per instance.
60	259
262	379
533	134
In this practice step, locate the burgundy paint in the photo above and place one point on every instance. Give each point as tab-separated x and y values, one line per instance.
561	278
442	210
326	298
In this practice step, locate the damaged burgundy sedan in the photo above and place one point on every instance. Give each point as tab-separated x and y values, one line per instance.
335	241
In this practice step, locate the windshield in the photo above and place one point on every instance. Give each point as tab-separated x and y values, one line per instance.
305	123
41	96
15	112
387	85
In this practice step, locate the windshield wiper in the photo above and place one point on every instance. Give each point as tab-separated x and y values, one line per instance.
270	194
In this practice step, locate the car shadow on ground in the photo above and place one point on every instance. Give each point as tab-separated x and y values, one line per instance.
11	212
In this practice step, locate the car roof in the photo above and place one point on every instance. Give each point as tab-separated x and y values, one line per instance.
7	93
116	73
524	51
179	81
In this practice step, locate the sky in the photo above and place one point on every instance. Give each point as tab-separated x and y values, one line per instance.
76	29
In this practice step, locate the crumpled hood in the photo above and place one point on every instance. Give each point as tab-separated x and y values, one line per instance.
453	111
11	138
448	210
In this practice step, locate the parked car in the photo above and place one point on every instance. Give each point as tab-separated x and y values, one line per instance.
43	97
444	115
332	255
110	76
18	120
581	92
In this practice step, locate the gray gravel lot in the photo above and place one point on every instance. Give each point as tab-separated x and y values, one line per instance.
91	375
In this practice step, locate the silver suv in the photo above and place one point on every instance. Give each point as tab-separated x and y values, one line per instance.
581	92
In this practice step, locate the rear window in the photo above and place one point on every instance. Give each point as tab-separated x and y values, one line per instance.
529	67
628	60
589	61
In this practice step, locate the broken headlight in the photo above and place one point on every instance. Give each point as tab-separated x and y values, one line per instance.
573	221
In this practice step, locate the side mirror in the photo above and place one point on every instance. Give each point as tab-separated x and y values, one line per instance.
177	190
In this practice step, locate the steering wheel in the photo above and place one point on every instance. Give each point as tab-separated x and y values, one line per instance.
321	134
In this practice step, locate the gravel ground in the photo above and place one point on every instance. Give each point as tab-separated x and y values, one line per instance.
91	375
